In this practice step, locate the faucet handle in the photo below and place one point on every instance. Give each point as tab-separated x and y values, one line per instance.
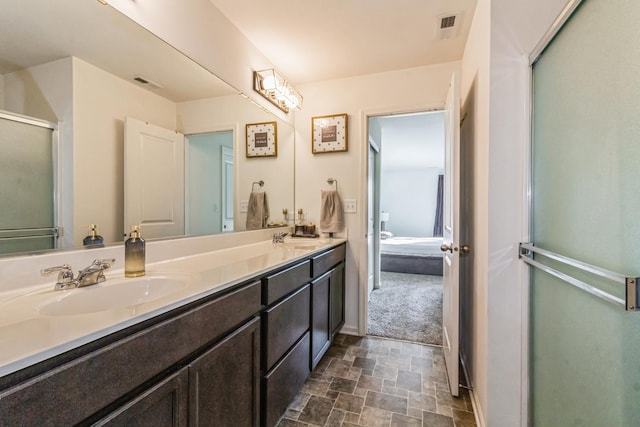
103	264
65	276
279	237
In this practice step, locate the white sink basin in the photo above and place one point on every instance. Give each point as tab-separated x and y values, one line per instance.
110	295
305	242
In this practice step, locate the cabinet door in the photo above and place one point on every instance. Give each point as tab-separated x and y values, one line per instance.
224	382
320	332
164	404
336	292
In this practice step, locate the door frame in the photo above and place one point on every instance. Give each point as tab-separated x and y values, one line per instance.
373	246
363	273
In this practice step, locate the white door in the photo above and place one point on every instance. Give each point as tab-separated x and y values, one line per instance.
227	189
450	243
154	179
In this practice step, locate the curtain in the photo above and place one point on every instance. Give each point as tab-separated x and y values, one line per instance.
437	224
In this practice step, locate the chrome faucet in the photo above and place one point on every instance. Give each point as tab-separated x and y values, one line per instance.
279	237
94	273
91	275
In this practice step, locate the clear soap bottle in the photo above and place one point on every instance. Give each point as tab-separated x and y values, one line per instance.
134	259
93	239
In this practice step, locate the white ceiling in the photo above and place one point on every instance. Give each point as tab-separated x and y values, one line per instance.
38	31
314	41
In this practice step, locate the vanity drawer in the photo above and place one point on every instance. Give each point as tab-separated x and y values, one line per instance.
65	395
285	323
282	384
280	284
325	261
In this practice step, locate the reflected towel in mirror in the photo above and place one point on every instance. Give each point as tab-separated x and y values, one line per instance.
331	212
257	210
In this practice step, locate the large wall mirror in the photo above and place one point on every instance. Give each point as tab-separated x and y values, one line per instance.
97	84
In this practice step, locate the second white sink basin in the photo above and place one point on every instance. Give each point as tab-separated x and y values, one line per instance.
110	295
305	242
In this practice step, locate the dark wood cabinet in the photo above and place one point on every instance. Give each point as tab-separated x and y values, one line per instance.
320	320
336	296
327	306
163	405
284	381
224	383
92	384
276	286
284	324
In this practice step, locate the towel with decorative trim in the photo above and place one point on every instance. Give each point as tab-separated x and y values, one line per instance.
331	212
257	210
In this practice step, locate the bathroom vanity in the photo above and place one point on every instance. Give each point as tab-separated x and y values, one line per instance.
234	354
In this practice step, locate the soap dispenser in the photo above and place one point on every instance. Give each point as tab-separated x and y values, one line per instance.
134	248
93	239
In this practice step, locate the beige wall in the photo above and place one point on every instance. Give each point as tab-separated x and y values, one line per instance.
403	90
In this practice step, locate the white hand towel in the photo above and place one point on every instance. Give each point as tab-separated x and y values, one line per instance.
257	210
331	212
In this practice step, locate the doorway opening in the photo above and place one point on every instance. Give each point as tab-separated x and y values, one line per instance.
209	183
406	176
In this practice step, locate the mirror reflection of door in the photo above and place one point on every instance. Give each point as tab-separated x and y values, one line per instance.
154	179
209	183
179	184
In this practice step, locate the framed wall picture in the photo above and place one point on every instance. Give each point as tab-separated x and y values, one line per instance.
329	133
262	139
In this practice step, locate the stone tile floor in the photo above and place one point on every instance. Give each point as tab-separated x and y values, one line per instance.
372	381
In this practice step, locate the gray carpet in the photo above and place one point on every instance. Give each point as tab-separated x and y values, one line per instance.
407	307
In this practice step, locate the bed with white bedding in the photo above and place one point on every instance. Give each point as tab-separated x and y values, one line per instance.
417	255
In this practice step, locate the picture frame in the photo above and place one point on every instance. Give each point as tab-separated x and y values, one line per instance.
262	139
329	134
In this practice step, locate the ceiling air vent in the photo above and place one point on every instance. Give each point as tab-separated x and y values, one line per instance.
447	22
148	83
448	25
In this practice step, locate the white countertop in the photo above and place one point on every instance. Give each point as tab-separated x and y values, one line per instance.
28	335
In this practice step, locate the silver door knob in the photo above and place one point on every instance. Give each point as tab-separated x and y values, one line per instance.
445	248
464	249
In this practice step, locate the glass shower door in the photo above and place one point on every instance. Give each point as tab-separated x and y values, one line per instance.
26	185
585	351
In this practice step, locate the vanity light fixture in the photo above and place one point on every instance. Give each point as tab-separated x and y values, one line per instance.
270	84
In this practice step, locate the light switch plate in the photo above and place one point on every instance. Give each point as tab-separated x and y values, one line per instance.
350	205
244	206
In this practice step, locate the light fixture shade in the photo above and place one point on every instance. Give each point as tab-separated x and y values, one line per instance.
274	87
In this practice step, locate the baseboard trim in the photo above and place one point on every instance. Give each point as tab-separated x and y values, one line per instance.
350	330
477	409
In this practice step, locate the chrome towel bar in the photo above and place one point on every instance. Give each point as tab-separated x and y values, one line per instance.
631	300
30	233
253	185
